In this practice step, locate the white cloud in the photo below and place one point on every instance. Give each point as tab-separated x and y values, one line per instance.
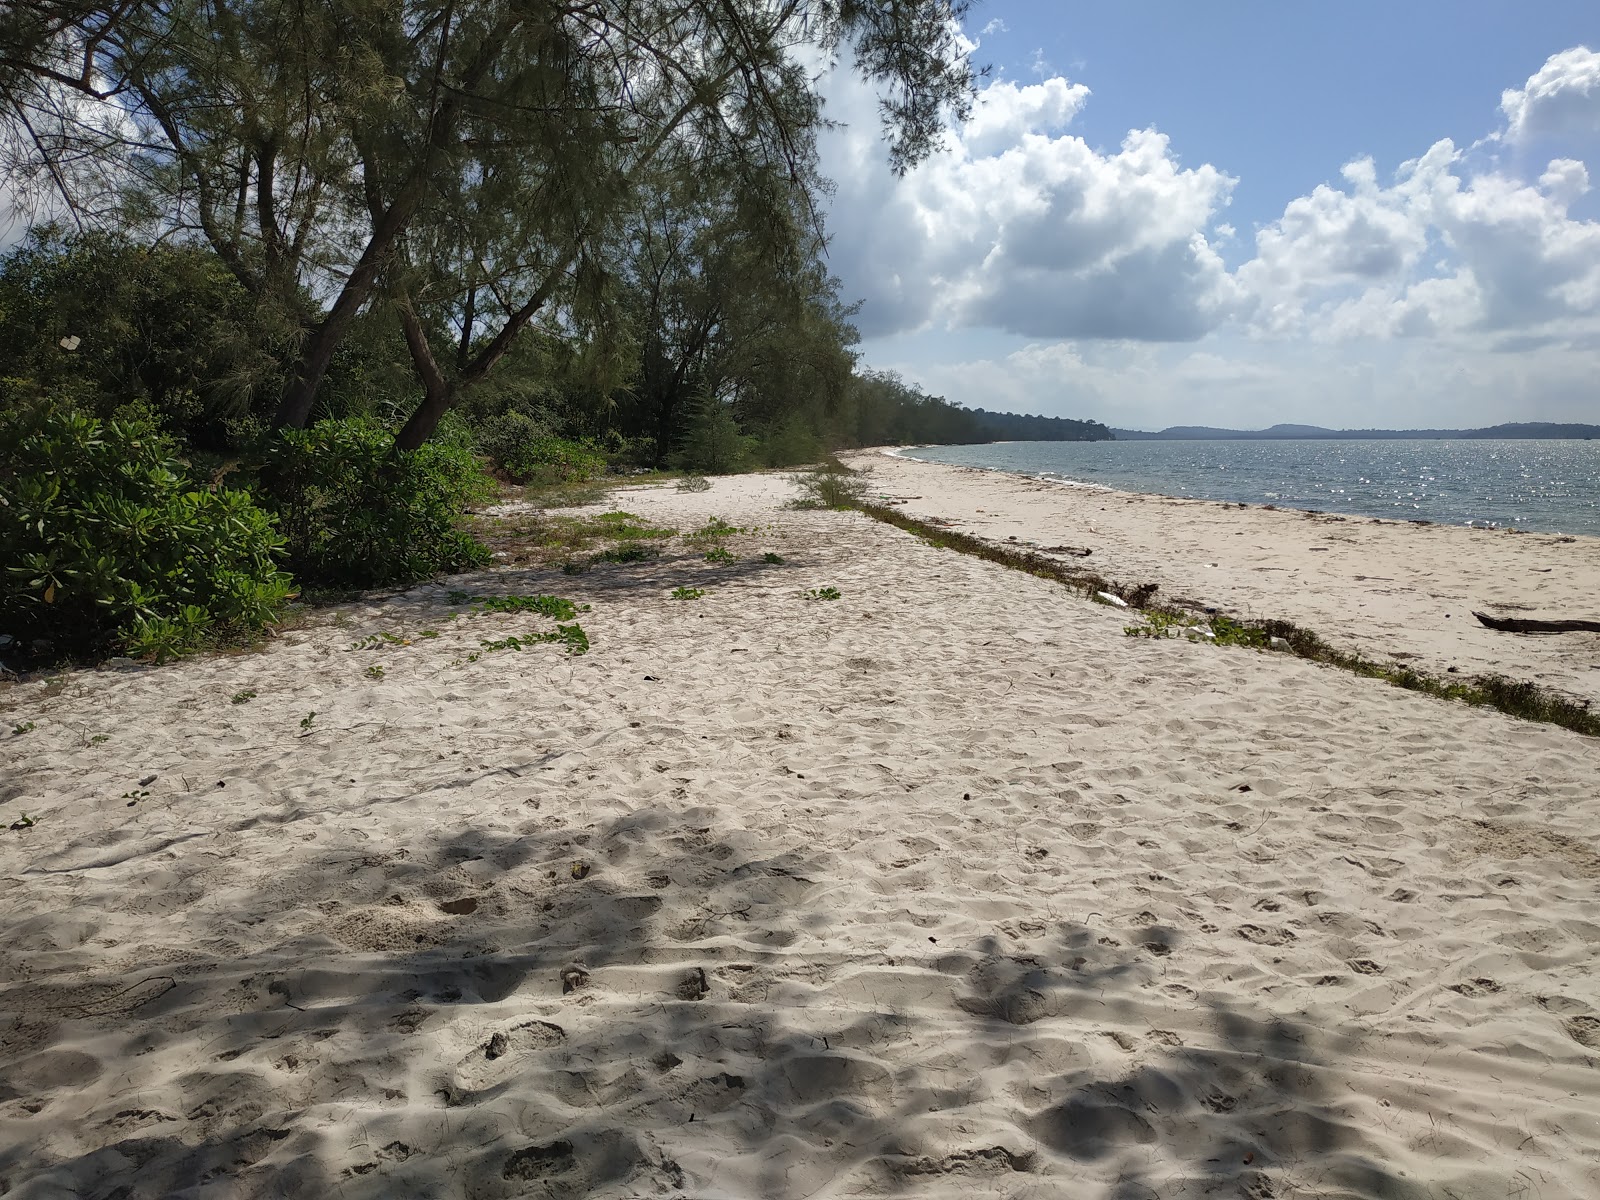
1459	288
995	26
1561	99
1026	228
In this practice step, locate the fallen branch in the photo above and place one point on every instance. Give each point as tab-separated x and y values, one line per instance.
1519	625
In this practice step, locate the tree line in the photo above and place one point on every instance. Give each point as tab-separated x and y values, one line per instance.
549	232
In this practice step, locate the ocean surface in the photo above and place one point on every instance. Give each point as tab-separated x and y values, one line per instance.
1551	486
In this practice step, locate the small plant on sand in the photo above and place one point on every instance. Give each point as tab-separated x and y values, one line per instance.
823	593
553	607
382	638
24	822
694	483
375	671
571	636
1234	633
831	485
628	552
687	593
244	697
25	727
714	530
1162	624
775	559
305	721
721	554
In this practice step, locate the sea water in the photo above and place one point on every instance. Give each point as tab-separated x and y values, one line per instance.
1551	486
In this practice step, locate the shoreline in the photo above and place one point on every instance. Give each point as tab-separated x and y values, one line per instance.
1050	478
1391	590
874	870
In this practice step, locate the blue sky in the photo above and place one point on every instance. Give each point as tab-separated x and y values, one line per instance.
1352	214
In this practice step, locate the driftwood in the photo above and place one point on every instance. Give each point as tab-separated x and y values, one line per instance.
1519	625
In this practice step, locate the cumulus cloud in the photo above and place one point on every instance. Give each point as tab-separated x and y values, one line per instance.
1444	288
1561	99
1438	251
995	26
1024	227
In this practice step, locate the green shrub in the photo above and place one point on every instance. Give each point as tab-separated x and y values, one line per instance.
711	442
524	450
357	512
111	323
108	547
831	485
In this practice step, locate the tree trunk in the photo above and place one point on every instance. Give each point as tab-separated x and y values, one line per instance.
438	393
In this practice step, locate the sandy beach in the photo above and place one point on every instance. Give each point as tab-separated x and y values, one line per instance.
945	887
1391	590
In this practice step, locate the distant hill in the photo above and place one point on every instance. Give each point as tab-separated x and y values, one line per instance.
1516	429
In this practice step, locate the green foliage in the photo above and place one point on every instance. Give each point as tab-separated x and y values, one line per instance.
167	330
793	442
243	697
1161	624
711	442
628	552
1235	633
523	450
627	527
307	720
571	636
381	638
687	593
774	559
548	606
375	671
24	727
832	485
107	546
721	554
823	593
357	512
694	483
713	530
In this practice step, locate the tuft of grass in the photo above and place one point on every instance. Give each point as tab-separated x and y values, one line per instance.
628	552
831	485
694	483
540	538
714	530
687	593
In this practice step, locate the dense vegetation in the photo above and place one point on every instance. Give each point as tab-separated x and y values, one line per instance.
331	254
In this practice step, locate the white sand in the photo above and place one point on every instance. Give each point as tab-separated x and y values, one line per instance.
1389	589
945	888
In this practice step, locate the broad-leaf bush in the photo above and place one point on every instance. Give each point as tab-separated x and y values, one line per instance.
524	450
357	512
108	547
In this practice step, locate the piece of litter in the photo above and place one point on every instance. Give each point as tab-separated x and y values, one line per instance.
1108	598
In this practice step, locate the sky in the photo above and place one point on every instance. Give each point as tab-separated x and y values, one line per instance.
1161	213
